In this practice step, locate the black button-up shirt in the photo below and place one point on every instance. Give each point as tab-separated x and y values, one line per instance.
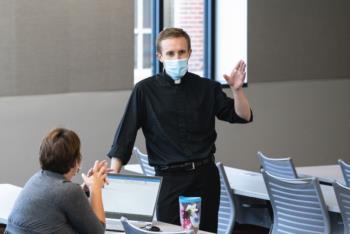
177	120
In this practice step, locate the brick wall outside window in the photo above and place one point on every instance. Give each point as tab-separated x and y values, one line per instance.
189	15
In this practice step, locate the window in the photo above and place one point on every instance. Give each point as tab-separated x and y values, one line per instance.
186	14
206	23
231	36
189	15
142	32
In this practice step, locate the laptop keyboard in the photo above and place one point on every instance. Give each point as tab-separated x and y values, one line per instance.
116	224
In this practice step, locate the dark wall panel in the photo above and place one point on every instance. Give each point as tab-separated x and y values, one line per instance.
298	40
50	46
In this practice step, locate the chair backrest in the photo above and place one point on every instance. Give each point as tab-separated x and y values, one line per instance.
343	197
143	160
281	167
132	229
226	216
298	205
345	168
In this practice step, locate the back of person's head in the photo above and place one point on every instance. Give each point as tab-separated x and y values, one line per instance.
172	33
60	150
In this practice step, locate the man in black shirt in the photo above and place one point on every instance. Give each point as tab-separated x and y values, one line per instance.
176	110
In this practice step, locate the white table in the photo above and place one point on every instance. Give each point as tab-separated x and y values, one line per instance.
165	227
251	184
246	183
325	173
8	195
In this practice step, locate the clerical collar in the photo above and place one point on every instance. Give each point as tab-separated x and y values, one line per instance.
177	81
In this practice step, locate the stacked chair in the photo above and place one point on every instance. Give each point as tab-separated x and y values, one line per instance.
298	205
281	167
226	218
147	169
342	193
345	168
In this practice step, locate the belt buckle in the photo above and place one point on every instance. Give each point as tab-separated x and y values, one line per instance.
193	166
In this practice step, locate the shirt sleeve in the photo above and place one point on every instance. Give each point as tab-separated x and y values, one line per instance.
225	107
125	135
77	208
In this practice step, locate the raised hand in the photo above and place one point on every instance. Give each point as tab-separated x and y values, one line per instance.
236	79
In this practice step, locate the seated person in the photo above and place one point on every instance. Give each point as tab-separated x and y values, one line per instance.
50	202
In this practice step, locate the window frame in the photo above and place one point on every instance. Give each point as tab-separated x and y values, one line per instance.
157	24
140	32
209	36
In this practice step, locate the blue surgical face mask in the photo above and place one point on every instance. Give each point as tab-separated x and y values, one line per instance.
177	68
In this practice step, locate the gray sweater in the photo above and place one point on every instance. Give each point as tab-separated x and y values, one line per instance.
49	203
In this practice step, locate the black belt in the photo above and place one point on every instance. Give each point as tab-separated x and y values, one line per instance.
186	166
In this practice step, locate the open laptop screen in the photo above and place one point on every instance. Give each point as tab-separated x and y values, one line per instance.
132	196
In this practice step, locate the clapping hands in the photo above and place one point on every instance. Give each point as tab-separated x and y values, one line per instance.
97	175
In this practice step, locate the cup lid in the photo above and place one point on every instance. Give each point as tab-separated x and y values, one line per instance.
183	199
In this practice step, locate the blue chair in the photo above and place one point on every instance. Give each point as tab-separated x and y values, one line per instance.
281	167
227	210
143	160
298	205
343	197
132	229
226	217
345	168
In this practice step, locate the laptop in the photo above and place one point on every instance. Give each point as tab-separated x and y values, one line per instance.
132	196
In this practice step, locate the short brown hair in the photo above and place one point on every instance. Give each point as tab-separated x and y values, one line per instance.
172	33
60	150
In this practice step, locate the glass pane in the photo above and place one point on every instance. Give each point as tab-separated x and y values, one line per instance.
146	51
147	13
135	52
232	44
142	53
189	15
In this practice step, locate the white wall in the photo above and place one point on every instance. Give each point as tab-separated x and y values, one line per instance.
24	120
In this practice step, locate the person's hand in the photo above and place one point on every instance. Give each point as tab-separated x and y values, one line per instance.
99	164
236	79
116	165
97	175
